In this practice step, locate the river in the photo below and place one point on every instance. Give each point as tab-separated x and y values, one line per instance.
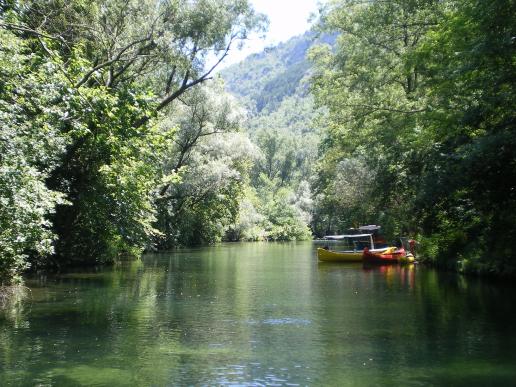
259	314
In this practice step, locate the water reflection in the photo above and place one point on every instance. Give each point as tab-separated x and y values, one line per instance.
395	275
259	314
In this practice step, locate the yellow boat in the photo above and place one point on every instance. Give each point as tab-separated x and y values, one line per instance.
409	258
339	256
356	241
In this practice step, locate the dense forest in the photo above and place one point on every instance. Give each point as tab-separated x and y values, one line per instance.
118	137
113	141
421	134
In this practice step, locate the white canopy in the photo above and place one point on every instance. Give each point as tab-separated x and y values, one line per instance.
369	227
338	237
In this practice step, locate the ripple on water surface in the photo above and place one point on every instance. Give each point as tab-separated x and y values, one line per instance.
259	314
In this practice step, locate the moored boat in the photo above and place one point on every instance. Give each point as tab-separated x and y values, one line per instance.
390	255
409	258
339	256
356	242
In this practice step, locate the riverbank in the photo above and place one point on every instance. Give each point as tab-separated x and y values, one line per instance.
470	262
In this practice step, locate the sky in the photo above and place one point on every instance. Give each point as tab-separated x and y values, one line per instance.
287	18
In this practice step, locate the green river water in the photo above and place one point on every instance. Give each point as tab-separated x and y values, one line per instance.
259	314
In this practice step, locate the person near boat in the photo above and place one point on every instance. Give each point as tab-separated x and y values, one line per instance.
363	248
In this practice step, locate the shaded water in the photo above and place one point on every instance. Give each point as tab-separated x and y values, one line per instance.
259	314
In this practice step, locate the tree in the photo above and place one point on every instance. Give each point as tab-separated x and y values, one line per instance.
163	45
422	89
468	61
30	145
122	63
371	85
212	160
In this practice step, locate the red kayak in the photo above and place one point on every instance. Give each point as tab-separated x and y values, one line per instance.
391	255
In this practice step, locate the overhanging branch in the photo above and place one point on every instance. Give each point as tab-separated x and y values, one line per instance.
187	85
117	58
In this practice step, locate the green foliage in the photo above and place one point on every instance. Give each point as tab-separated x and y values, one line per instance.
420	93
108	174
206	221
470	64
111	142
282	123
340	202
212	160
249	223
286	219
83	89
30	144
371	86
271	212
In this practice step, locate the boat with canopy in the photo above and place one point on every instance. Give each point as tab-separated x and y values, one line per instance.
355	244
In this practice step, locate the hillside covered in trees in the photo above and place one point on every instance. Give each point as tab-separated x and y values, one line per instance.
116	137
273	87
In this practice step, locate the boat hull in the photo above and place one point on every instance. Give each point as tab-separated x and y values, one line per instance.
409	258
339	256
385	258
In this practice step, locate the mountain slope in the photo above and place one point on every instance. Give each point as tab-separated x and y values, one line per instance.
273	87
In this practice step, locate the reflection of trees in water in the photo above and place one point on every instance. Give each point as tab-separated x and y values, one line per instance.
468	316
405	320
200	315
